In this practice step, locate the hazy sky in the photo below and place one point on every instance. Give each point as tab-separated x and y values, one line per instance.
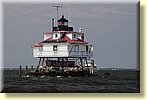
111	28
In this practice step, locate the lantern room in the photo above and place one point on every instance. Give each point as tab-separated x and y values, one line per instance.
62	21
62	25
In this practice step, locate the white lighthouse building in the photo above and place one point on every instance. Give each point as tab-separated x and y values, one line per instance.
64	48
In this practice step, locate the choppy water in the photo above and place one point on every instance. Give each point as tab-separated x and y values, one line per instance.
117	81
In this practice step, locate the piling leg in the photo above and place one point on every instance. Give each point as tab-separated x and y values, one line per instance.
20	71
90	69
92	66
62	67
39	63
42	63
26	72
32	67
81	59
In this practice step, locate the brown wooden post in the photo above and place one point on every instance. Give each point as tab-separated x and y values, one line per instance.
62	67
92	66
32	67
39	63
26	72
81	59
20	71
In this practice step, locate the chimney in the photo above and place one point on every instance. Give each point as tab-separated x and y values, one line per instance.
52	24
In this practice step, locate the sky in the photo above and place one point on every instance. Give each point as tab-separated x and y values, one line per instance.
111	28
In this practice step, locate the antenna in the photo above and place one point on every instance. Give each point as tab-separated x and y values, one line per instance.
57	6
70	19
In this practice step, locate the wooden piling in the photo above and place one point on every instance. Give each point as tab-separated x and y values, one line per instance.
92	66
32	67
20	71
62	67
26	72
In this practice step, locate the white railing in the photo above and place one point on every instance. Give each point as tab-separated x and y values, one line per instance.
81	53
88	53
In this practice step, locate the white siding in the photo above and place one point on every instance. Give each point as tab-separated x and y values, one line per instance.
63	50
47	47
63	47
35	51
48	50
69	35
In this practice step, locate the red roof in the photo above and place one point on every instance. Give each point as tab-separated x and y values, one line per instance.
38	44
74	41
51	38
47	32
69	40
64	38
41	43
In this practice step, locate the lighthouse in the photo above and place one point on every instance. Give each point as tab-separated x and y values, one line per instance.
64	51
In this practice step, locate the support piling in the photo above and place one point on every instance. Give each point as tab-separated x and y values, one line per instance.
92	66
20	71
26	72
32	67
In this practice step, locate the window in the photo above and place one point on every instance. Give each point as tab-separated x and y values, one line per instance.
55	48
76	48
56	35
87	47
66	23
60	23
74	35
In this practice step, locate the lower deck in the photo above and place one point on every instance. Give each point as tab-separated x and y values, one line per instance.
63	66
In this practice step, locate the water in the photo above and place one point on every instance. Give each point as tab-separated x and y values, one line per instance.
114	82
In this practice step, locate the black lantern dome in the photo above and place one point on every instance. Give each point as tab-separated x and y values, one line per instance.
62	25
62	19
